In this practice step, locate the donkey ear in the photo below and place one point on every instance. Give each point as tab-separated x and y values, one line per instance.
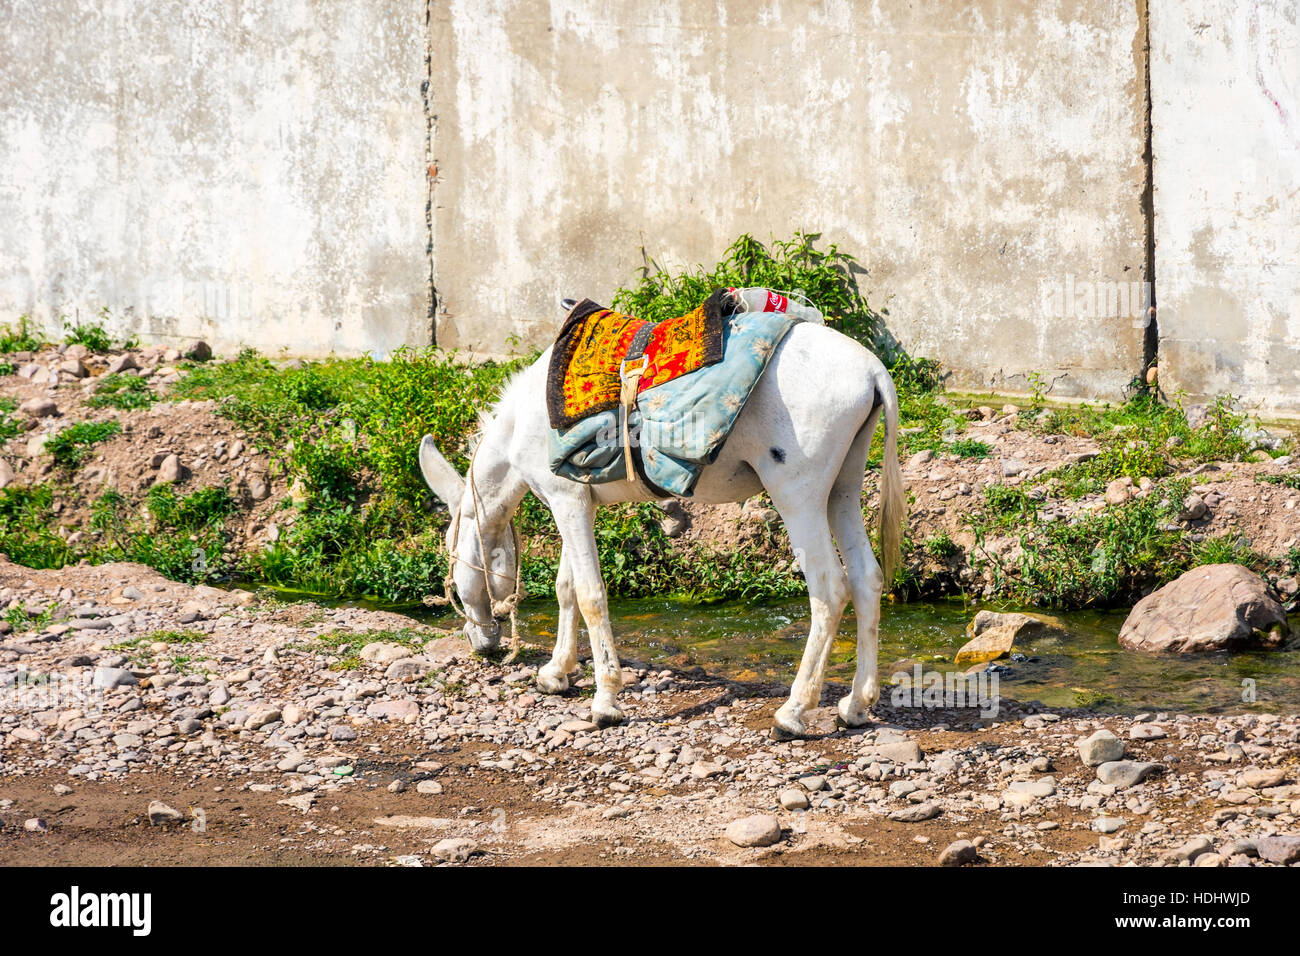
443	480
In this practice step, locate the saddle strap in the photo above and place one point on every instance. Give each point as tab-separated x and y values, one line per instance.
630	370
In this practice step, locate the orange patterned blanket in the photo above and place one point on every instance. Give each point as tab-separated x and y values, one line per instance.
583	375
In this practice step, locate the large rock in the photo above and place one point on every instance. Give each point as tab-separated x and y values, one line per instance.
1283	849
759	830
1212	608
1127	773
1102	747
992	634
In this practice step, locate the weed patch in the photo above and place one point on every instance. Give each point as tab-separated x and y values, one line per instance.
73	445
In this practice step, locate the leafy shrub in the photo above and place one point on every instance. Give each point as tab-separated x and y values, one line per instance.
828	279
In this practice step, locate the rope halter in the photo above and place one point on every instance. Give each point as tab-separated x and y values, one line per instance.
505	607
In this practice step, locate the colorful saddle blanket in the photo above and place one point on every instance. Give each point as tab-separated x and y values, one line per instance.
701	369
583	375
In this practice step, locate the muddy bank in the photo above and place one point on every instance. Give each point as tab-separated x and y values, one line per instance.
93	500
299	733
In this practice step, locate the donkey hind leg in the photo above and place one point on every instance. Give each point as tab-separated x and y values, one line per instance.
553	677
576	521
866	581
828	593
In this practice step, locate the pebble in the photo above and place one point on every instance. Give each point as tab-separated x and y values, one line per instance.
1281	849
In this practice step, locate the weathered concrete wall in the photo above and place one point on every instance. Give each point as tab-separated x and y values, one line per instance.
1225	93
246	171
980	159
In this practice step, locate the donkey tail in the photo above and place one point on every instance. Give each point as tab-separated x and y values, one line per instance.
893	498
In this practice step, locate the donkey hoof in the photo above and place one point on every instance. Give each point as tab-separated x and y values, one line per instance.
787	725
852	713
550	680
606	715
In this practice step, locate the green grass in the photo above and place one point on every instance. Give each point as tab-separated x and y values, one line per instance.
970	448
74	444
1134	459
176	637
1289	480
26	527
180	536
10	425
121	391
1225	435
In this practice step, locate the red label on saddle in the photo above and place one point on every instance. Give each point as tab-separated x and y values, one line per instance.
776	303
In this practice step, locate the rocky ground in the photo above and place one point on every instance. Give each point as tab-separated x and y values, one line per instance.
186	443
150	722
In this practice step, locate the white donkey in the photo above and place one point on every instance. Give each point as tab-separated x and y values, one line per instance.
803	436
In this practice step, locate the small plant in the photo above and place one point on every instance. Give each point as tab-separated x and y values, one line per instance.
940	545
970	448
10	426
72	446
1289	480
20	339
1094	699
176	637
91	335
22	622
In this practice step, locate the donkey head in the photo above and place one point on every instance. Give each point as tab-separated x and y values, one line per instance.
480	549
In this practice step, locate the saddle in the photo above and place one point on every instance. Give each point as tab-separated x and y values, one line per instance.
653	402
600	355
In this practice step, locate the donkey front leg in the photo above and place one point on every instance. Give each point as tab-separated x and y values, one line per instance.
828	593
576	522
553	677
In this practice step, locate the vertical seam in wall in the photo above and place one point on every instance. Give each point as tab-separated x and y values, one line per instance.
1151	337
430	169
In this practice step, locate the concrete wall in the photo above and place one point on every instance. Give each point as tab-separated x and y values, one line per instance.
1225	92
247	171
973	155
302	174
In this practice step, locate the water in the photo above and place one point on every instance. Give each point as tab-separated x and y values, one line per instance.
765	642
